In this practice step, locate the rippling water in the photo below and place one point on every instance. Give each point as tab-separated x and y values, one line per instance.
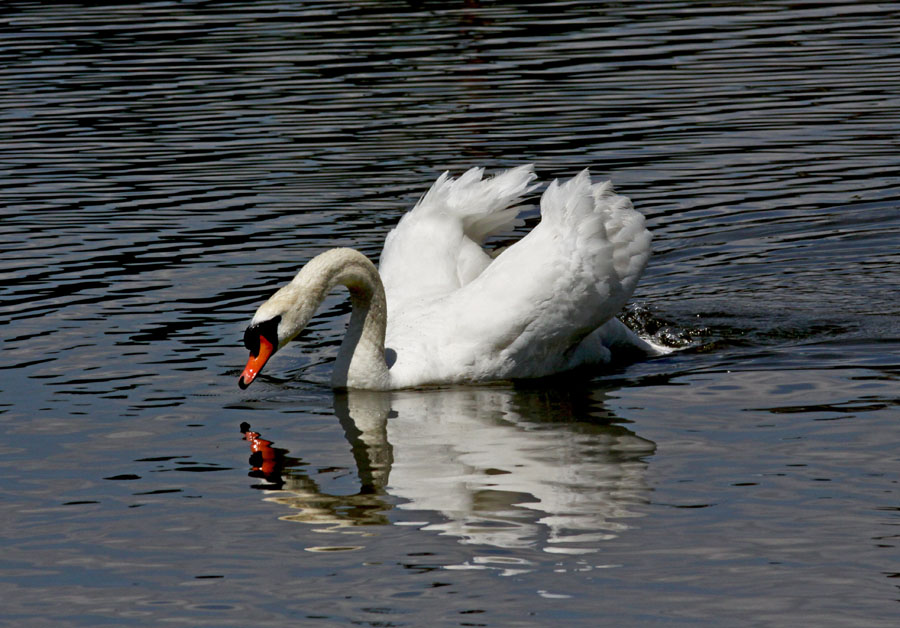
165	165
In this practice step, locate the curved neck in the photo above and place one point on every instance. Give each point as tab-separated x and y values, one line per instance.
360	362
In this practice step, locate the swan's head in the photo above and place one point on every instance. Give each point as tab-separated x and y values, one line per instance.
276	323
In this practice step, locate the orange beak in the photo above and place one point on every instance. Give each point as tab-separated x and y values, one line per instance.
255	363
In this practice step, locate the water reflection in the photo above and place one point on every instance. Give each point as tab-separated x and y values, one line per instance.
545	469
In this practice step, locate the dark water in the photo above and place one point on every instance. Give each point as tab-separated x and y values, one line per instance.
165	165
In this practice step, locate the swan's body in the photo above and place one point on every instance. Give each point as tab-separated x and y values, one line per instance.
441	310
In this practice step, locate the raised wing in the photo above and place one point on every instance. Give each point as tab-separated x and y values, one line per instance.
436	247
532	306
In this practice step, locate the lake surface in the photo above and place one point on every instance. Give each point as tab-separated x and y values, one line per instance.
165	166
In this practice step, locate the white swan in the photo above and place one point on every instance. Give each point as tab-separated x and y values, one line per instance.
444	311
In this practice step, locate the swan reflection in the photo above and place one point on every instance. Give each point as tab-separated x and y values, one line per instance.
537	468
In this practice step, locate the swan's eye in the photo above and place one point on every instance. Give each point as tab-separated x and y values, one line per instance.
267	329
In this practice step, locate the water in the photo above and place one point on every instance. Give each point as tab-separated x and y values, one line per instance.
164	166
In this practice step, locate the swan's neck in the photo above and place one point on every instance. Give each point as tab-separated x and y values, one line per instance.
360	362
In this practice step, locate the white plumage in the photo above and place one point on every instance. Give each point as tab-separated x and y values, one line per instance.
448	312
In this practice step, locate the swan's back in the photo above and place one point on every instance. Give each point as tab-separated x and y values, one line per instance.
525	313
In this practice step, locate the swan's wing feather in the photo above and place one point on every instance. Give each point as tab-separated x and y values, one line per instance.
527	312
436	247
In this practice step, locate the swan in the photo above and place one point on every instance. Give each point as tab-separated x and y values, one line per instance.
441	310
